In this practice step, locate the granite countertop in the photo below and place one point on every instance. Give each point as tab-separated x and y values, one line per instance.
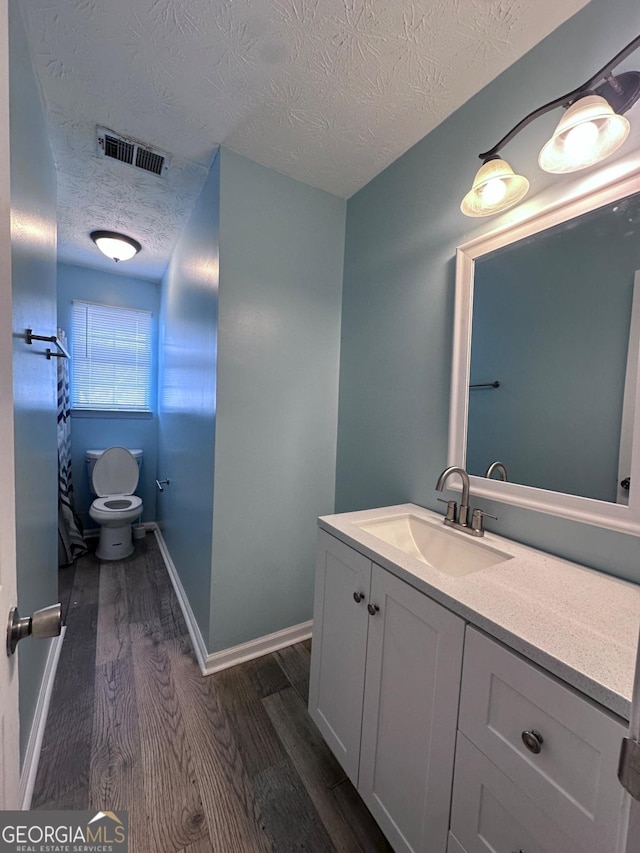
579	624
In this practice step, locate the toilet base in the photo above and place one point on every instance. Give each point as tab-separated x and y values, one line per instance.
115	543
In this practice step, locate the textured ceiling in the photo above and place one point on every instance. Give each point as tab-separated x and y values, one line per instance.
327	91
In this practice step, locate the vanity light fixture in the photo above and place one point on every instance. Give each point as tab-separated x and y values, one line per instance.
495	187
116	246
587	133
592	128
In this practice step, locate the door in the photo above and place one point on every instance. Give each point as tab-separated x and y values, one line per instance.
9	726
339	650
414	660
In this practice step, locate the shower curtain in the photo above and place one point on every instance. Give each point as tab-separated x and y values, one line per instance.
70	540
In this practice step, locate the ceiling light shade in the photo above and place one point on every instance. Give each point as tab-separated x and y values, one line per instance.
118	247
587	133
495	188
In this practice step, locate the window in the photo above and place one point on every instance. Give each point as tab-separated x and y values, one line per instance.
111	361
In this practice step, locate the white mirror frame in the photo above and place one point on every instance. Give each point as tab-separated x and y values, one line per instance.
556	206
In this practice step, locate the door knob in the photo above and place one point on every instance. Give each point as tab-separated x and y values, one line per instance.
373	609
44	623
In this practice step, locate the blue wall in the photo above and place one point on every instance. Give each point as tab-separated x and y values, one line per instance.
33	260
187	398
250	337
281	254
100	430
551	321
402	232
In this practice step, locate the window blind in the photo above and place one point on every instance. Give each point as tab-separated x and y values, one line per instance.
111	364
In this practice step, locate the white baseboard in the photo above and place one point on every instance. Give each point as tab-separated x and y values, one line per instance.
217	661
91	532
32	755
197	639
257	648
94	532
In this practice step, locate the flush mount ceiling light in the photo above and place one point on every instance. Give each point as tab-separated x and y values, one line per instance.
118	247
592	128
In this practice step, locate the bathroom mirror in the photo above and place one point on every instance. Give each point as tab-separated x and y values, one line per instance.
546	361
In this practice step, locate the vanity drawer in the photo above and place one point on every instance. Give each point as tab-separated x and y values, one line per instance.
573	776
489	814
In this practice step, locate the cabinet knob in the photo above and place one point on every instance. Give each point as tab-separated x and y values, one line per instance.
533	740
358	597
373	609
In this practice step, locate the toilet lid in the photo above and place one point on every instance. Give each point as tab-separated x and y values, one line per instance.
115	473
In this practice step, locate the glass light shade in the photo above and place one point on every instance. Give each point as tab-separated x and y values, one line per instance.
588	132
118	247
496	187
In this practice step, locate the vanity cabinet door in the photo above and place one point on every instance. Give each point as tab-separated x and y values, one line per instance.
560	748
339	649
414	661
454	845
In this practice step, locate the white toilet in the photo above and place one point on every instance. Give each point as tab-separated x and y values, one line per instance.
114	474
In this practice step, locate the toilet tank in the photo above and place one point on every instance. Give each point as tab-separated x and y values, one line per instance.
92	455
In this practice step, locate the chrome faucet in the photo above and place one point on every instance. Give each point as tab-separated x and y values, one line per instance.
463	512
461	522
500	468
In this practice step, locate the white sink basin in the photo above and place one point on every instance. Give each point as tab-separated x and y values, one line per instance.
455	554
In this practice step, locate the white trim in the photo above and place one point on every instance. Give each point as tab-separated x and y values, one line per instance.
257	648
630	393
562	202
32	755
197	639
217	661
94	532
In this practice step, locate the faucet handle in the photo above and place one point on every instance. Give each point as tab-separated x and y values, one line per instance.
451	509
476	519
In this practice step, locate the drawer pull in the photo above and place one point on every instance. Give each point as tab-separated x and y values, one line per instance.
373	609
358	597
533	740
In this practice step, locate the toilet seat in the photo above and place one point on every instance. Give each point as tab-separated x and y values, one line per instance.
117	503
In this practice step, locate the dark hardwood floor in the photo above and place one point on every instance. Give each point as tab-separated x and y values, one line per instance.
227	763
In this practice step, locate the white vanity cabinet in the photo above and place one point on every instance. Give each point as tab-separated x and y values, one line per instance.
339	650
536	762
385	677
406	709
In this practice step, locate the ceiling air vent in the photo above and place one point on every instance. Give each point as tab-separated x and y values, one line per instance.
118	149
150	161
130	151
